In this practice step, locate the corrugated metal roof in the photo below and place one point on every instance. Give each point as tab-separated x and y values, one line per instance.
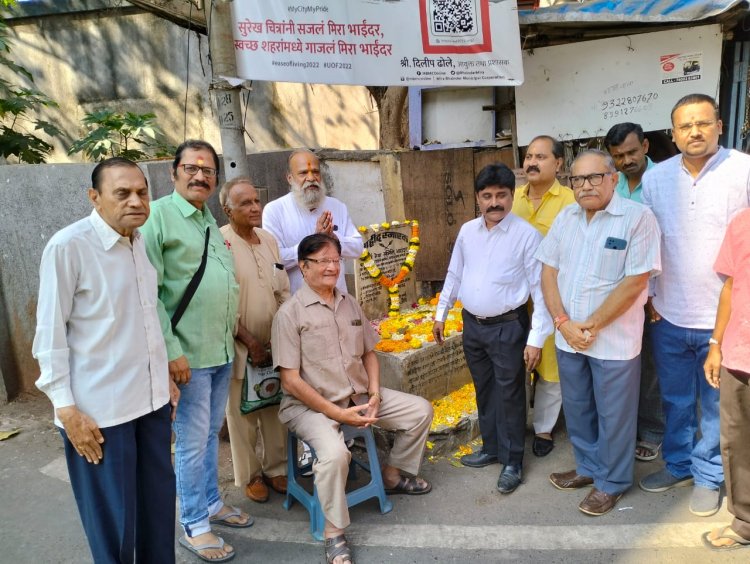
629	11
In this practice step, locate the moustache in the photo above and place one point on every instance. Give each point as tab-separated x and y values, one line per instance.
199	183
307	185
532	168
496	208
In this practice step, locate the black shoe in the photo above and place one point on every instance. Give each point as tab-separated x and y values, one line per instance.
478	459
542	446
510	478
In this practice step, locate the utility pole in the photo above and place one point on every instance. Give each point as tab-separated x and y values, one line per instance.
226	96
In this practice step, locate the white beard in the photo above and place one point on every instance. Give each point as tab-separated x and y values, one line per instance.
309	199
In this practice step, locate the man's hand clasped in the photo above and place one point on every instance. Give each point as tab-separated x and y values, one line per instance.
360	415
579	335
325	223
83	433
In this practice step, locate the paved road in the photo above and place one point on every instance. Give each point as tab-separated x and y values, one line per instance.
464	519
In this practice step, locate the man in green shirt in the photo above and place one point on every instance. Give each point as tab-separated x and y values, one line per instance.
200	346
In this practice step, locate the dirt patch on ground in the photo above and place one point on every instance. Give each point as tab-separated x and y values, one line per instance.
28	412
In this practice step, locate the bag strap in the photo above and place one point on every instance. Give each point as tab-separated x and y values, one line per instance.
192	285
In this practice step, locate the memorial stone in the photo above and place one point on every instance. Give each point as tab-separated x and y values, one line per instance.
431	371
388	248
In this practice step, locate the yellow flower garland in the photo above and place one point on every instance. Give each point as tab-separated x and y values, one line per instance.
406	267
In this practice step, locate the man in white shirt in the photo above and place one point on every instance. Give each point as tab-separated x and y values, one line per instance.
104	367
628	146
307	210
598	257
694	195
493	271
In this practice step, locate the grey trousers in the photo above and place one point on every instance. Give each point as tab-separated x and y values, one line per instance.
600	399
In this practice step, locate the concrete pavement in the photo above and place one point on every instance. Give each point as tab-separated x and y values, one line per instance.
463	519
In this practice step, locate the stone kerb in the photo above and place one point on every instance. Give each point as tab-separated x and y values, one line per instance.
431	372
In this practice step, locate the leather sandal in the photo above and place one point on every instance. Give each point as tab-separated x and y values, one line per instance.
338	546
410	486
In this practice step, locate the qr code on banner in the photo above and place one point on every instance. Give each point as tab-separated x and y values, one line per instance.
454	17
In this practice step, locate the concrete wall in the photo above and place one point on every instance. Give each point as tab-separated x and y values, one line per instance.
39	200
96	54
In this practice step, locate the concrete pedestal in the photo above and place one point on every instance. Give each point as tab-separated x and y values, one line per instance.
431	372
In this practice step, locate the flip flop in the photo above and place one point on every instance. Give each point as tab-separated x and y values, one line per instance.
654	448
409	486
739	542
233	513
207	546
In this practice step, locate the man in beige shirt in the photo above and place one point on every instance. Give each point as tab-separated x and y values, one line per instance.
264	286
323	346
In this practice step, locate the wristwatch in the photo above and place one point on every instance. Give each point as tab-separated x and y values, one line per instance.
713	341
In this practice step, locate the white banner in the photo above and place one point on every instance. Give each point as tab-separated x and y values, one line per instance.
379	42
582	89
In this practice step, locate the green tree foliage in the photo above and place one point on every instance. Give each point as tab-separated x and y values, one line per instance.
129	135
19	131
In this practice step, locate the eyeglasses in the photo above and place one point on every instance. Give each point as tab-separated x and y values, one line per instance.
192	170
701	125
326	261
594	179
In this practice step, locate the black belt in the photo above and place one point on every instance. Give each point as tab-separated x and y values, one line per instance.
511	315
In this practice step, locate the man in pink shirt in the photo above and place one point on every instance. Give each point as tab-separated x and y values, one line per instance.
728	365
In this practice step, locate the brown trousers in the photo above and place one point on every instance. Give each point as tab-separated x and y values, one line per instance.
408	414
735	447
258	439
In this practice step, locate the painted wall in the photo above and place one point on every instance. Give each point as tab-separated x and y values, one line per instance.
42	199
123	58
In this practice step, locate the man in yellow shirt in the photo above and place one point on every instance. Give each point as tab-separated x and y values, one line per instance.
539	202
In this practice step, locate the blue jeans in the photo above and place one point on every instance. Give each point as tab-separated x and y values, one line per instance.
200	415
650	414
679	354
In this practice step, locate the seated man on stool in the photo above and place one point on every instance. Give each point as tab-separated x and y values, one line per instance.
323	344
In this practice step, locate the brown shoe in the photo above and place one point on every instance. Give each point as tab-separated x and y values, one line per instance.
257	490
598	503
277	483
570	480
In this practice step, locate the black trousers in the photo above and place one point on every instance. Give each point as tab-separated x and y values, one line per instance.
494	355
127	501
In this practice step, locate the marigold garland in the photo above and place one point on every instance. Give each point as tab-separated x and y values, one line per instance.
406	267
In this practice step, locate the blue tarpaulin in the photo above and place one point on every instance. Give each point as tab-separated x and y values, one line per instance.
628	11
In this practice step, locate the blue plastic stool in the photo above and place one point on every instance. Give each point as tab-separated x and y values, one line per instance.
374	488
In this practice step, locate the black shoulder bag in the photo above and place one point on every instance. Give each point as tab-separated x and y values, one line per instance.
192	285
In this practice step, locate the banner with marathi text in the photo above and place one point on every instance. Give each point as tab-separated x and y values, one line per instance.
379	42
